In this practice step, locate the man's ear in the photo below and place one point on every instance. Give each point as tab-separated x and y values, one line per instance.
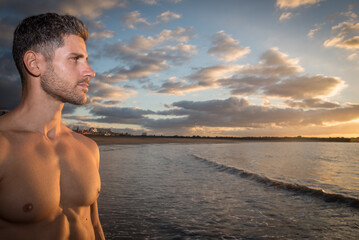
34	63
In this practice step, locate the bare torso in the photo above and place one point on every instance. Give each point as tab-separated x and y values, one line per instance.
48	188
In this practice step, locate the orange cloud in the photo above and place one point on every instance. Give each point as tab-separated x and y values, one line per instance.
295	3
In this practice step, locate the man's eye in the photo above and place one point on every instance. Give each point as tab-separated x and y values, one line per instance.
74	59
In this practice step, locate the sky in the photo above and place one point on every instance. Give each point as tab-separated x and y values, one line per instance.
208	67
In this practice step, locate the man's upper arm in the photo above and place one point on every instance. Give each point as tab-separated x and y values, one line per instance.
99	235
4	150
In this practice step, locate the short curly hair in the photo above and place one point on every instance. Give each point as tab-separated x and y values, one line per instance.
44	33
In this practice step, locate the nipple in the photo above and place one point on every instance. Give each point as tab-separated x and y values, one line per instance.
27	207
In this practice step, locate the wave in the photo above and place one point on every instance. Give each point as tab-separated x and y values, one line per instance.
297	188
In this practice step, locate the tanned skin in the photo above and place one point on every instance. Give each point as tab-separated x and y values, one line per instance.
49	178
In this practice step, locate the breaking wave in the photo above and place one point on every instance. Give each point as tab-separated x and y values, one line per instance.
297	188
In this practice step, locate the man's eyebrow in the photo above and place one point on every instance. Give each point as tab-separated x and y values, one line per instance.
78	55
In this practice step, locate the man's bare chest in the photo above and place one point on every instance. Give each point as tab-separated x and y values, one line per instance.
39	179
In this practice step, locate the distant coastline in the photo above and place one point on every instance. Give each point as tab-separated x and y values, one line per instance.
106	140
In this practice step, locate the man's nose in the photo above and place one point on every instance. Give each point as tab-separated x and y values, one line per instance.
89	72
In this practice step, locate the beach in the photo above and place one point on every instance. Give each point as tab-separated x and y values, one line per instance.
110	140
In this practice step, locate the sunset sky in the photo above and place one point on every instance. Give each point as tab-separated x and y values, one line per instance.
209	68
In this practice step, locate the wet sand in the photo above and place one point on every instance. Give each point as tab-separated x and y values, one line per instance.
103	140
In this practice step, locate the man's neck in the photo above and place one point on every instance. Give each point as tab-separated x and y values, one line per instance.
40	113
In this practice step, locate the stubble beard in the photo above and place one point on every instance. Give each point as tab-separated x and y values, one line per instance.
59	89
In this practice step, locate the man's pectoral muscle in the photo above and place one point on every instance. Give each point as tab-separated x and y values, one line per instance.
48	189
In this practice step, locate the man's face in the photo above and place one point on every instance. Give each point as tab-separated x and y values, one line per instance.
67	77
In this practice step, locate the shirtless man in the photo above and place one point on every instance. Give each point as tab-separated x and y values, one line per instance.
49	179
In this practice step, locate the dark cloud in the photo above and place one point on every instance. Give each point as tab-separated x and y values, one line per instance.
248	84
312	103
10	92
10	84
238	113
69	109
119	115
7	27
90	9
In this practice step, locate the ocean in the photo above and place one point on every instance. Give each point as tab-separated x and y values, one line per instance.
246	190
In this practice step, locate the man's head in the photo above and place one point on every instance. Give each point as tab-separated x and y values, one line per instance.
44	33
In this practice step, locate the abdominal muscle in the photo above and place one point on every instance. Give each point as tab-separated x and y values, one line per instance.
73	224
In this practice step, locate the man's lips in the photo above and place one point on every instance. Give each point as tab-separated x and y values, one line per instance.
84	85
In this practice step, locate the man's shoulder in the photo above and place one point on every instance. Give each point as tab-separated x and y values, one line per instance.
83	139
4	139
90	144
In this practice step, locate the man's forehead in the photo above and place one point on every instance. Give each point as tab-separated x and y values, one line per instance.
74	44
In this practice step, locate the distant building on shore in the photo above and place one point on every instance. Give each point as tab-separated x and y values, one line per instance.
96	131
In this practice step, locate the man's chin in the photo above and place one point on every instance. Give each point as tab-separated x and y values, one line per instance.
78	102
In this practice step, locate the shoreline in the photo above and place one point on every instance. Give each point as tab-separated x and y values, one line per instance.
108	140
104	140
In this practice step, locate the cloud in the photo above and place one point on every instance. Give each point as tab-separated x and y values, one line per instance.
345	34
155	2
353	56
10	84
168	16
119	115
275	75
274	63
136	71
179	34
305	87
104	93
312	32
178	87
248	84
7	27
231	114
208	76
202	78
140	43
10	92
312	103
150	2
98	30
102	34
148	55
134	18
239	113
226	48
285	16
90	9
295	3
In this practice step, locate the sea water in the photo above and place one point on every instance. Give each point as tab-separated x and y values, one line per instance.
247	190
